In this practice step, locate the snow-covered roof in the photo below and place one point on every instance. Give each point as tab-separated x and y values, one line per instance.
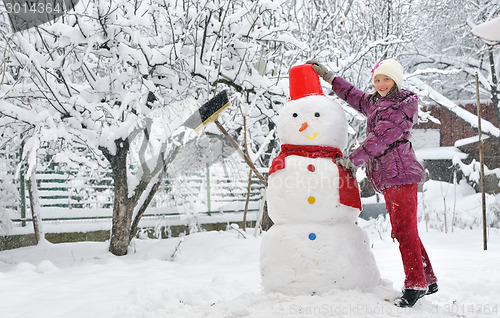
439	153
486	126
488	31
470	140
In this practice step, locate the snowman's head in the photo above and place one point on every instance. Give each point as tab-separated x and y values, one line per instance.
313	120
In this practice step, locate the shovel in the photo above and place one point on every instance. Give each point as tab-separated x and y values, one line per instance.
209	112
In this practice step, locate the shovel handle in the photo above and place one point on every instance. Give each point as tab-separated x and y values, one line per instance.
243	155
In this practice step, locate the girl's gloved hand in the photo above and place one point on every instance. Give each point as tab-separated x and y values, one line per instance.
322	71
347	164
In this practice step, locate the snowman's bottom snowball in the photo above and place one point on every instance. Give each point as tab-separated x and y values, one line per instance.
314	258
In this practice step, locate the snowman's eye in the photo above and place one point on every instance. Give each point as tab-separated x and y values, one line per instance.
316	114
295	115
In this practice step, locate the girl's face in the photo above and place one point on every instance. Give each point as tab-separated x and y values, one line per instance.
383	84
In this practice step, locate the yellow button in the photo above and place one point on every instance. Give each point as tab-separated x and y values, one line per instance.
311	200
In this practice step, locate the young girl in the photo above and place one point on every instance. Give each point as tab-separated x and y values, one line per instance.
391	165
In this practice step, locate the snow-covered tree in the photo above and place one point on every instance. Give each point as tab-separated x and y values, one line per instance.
95	78
451	55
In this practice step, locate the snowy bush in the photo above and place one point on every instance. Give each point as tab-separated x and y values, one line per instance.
446	205
493	210
5	221
9	194
472	171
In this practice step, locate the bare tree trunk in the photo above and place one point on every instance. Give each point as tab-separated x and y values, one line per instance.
120	232
481	166
249	190
495	91
126	201
123	207
35	207
249	174
158	173
142	209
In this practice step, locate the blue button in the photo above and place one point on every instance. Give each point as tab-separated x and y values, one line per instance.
312	236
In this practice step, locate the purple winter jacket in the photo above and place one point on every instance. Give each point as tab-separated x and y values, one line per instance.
386	151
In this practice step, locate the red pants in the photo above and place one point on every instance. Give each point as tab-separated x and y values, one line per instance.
401	203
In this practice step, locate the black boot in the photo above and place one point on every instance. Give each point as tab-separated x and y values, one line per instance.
432	288
410	297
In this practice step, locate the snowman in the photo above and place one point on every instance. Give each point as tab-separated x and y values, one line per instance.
315	244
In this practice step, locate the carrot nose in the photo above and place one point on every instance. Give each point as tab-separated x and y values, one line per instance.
304	126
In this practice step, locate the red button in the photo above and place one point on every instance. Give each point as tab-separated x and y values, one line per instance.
311	168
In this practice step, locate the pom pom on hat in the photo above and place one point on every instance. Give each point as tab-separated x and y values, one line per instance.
391	68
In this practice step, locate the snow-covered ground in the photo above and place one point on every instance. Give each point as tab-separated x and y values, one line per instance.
216	274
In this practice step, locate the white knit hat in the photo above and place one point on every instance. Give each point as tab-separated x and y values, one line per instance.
391	68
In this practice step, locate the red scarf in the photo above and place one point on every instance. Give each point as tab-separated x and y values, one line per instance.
348	186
